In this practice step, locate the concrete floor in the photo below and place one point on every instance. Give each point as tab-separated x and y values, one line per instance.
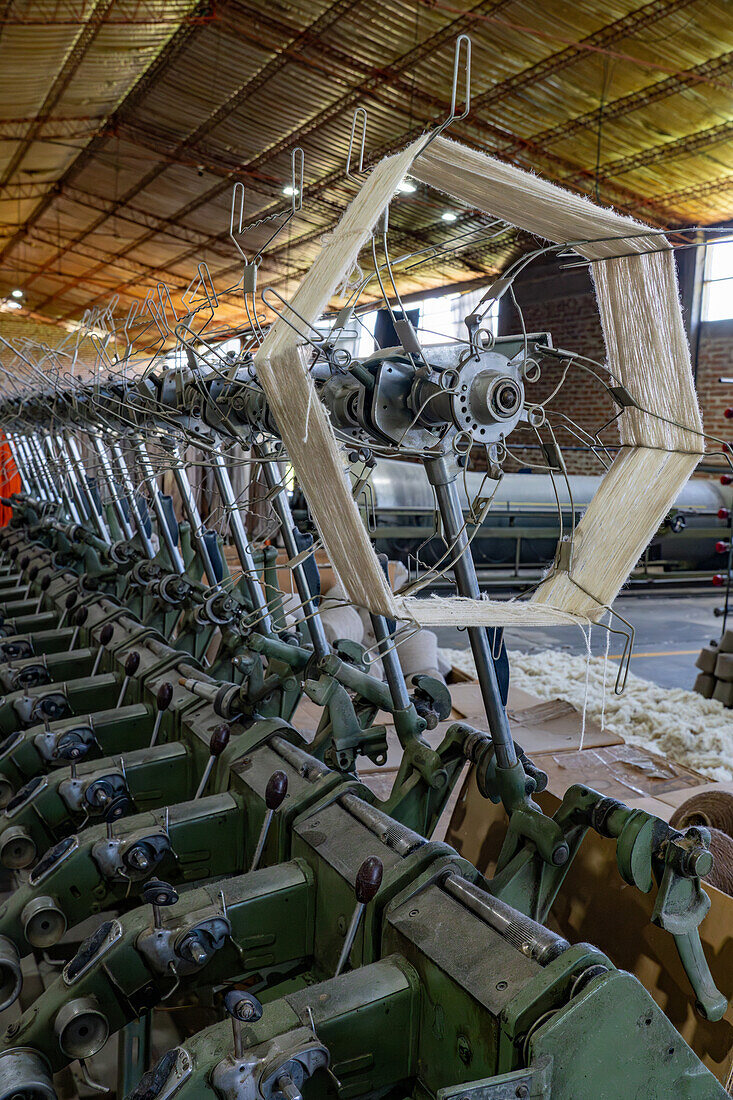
670	631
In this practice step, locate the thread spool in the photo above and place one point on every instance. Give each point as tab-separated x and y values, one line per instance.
721	876
713	809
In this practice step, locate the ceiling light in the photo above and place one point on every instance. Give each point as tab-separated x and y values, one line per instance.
448	216
17	293
290	190
10	304
407	187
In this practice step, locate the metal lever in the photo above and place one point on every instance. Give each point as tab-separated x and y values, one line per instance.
80	618
105	637
368	881
70	601
217	743
131	666
680	906
45	585
160	895
275	792
162	701
243	1008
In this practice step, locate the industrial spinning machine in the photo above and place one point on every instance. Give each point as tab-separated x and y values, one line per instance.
170	836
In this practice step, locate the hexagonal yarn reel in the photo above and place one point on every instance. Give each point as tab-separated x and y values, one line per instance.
661	429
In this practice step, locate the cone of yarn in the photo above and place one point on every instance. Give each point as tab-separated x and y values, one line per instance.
711	808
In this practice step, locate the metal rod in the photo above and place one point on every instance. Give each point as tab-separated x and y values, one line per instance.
350	937
443	478
193	516
114	495
129	488
241	542
262	839
92	506
163	529
281	507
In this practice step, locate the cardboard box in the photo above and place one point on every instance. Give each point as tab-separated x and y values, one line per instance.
596	905
618	771
552	725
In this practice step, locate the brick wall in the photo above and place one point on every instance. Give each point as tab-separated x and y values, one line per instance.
715	360
563	303
13	327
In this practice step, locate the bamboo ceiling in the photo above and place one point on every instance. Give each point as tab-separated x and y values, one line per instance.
124	124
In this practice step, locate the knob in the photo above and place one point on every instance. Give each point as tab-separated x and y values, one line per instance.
165	695
132	664
219	740
723	513
243	1008
366	885
722	547
217	743
159	894
368	880
718	580
79	618
726	479
69	602
106	635
275	791
163	700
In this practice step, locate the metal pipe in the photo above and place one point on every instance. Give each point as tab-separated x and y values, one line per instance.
442	478
71	499
241	542
114	496
25	481
527	935
281	507
32	467
67	473
193	516
129	488
163	529
43	470
92	506
391	663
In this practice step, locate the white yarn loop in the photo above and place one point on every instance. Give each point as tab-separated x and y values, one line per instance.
587	636
605	672
311	391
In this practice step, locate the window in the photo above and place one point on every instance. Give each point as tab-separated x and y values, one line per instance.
441	319
717	286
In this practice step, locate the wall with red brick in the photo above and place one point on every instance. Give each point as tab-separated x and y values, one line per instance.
563	303
714	361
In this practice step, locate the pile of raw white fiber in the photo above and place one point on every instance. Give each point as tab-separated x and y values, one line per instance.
677	724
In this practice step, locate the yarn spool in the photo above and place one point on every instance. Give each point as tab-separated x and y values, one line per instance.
419	654
711	808
340	621
721	876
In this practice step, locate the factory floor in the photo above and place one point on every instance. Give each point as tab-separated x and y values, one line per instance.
670	631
